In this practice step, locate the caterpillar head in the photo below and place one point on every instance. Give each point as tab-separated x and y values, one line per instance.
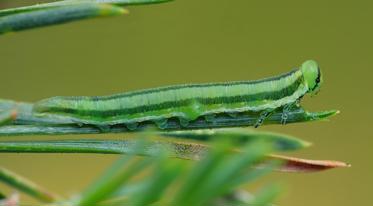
312	76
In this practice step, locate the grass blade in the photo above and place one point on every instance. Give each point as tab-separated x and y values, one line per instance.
175	149
26	186
5	12
116	167
254	173
56	15
200	184
114	183
240	136
191	151
2	196
208	165
266	195
220	183
293	164
165	172
27	123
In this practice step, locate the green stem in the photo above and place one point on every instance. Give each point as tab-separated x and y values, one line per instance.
27	124
5	12
56	15
26	186
182	150
176	149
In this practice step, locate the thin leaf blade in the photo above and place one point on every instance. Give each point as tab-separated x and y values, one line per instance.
183	150
27	123
20	183
56	15
23	9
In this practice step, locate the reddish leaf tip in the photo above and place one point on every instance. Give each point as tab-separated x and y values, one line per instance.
293	164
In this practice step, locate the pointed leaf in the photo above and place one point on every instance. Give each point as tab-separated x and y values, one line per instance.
26	186
293	164
56	15
28	123
5	12
239	136
181	150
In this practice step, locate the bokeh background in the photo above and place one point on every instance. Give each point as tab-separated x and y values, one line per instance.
202	41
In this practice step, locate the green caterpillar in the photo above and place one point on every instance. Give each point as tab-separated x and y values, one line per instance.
190	101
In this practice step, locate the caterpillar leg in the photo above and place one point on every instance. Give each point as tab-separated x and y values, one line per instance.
101	127
80	124
286	109
284	117
262	117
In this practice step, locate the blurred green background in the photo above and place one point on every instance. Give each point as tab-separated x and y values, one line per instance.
202	41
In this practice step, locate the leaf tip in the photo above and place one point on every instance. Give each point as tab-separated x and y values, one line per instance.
293	164
306	144
323	115
112	10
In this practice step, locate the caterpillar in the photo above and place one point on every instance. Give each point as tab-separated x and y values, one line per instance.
188	102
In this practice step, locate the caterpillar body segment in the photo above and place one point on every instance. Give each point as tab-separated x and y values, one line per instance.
187	102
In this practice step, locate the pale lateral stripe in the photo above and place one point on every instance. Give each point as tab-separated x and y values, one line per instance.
189	93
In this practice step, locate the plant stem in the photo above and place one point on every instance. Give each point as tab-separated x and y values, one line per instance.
27	123
26	186
182	150
6	12
56	15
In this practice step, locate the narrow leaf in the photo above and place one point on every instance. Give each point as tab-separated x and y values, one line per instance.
113	184
235	166
5	12
56	15
188	194
115	177
2	196
163	175
26	186
181	150
28	123
293	164
266	195
239	136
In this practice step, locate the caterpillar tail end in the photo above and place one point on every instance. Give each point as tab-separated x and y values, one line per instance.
47	105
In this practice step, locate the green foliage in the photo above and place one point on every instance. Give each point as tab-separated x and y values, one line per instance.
28	17
238	136
267	195
159	180
213	180
176	147
225	158
198	184
5	12
222	167
56	15
25	186
26	122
